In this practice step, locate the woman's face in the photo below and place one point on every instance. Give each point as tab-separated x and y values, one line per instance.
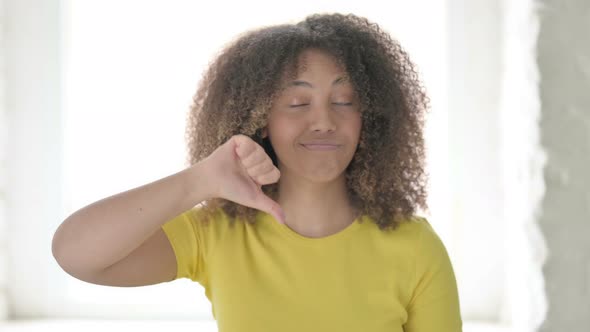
314	124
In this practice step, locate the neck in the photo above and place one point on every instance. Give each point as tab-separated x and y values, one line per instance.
315	209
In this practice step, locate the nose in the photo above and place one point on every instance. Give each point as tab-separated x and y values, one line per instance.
321	119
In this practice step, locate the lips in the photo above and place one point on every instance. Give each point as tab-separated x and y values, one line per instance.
321	146
320	143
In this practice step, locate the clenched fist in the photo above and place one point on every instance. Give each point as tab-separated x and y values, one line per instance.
240	167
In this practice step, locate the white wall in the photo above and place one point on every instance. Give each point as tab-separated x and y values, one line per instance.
33	173
3	165
475	50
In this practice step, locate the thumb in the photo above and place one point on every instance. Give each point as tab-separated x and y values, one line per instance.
266	204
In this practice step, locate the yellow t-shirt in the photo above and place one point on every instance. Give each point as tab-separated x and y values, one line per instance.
267	277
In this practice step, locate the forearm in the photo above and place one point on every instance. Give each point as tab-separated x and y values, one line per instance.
106	231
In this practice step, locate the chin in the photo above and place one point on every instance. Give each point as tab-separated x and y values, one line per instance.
316	171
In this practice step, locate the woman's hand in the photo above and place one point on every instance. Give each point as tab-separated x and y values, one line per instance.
239	168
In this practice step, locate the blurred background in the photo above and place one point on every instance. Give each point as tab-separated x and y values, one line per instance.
93	99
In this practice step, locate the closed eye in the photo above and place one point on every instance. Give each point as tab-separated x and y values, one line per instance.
339	104
292	106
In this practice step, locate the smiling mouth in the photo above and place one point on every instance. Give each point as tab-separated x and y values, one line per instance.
320	147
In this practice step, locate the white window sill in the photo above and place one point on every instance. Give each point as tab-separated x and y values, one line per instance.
159	325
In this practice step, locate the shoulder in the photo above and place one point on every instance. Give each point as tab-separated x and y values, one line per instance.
213	225
434	304
429	250
412	228
201	216
408	236
196	223
418	234
419	228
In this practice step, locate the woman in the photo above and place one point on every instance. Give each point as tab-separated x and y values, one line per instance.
307	165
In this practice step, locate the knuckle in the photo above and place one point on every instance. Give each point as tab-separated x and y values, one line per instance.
261	179
268	167
264	179
257	170
251	160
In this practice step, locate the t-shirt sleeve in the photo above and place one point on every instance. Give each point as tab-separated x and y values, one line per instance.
183	232
434	305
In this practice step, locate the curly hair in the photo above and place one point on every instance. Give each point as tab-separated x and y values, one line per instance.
386	179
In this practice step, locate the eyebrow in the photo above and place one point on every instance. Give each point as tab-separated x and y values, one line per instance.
339	80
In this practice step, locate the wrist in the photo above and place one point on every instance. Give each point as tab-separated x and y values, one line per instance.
200	185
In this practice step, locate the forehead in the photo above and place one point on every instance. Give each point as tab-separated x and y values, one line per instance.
311	60
315	56
314	65
316	61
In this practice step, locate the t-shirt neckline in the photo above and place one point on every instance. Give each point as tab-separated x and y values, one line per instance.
294	236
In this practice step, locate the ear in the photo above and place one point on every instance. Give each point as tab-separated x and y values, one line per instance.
264	132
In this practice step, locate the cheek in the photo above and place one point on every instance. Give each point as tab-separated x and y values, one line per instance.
355	127
282	131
